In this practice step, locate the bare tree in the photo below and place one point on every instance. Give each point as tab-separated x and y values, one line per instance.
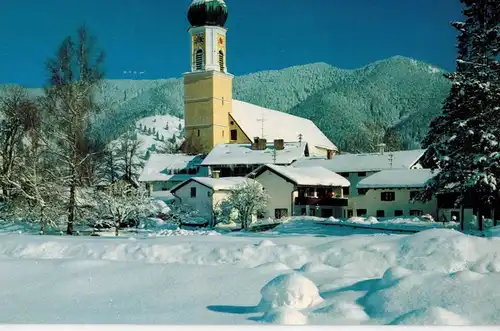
248	199
36	189
121	202
19	115
74	75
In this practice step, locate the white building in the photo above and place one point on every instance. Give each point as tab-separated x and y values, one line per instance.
356	167
390	193
164	171
312	191
204	194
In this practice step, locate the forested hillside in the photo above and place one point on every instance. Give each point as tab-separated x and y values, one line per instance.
391	100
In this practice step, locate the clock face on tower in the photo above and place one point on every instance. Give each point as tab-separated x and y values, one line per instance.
198	41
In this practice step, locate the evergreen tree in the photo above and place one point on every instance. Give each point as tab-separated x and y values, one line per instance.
463	141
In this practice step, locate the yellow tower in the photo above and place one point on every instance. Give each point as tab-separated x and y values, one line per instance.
208	88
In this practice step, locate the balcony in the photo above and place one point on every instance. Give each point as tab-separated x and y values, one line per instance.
310	201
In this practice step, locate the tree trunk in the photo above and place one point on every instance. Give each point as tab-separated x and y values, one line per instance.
42	223
496	215
480	219
71	207
117	228
462	218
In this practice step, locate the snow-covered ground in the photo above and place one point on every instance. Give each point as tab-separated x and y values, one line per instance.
300	272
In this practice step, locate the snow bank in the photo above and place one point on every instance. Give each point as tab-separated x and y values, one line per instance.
430	316
289	291
415	223
437	276
182	232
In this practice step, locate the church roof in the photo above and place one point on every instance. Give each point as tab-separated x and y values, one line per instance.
278	125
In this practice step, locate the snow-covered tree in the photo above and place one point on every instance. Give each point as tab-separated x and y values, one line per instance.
37	191
463	142
74	76
249	199
19	115
121	202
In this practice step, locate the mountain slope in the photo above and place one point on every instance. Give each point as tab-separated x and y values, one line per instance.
393	99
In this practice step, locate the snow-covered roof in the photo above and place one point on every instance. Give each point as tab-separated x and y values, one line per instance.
232	154
313	176
397	178
365	162
277	125
216	184
162	195
158	165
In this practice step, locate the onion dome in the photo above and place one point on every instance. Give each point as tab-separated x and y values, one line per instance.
207	12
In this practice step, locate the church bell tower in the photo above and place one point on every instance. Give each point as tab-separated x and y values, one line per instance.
208	87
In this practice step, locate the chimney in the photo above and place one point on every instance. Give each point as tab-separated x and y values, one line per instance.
279	144
381	148
329	154
255	143
262	144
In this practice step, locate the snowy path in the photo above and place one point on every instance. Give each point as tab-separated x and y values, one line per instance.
432	277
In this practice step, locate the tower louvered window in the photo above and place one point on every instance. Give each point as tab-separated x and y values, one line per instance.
221	61
199	59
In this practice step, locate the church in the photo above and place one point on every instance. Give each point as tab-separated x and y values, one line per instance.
211	115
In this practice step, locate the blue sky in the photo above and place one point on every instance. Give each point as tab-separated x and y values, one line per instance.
151	35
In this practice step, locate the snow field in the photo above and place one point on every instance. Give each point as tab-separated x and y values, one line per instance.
438	277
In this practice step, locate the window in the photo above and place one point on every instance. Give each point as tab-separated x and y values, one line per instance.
415	212
344	174
380	213
350	213
360	212
398	213
198	132
413	194
193	192
362	191
312	212
222	133
303	212
232	122
234	134
280	212
345	190
209	193
221	61
362	174
199	59
387	196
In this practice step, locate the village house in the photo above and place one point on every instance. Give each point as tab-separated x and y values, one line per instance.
391	193
313	191
356	167
204	194
164	171
233	160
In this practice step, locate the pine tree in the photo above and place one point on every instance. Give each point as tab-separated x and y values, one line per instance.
462	143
